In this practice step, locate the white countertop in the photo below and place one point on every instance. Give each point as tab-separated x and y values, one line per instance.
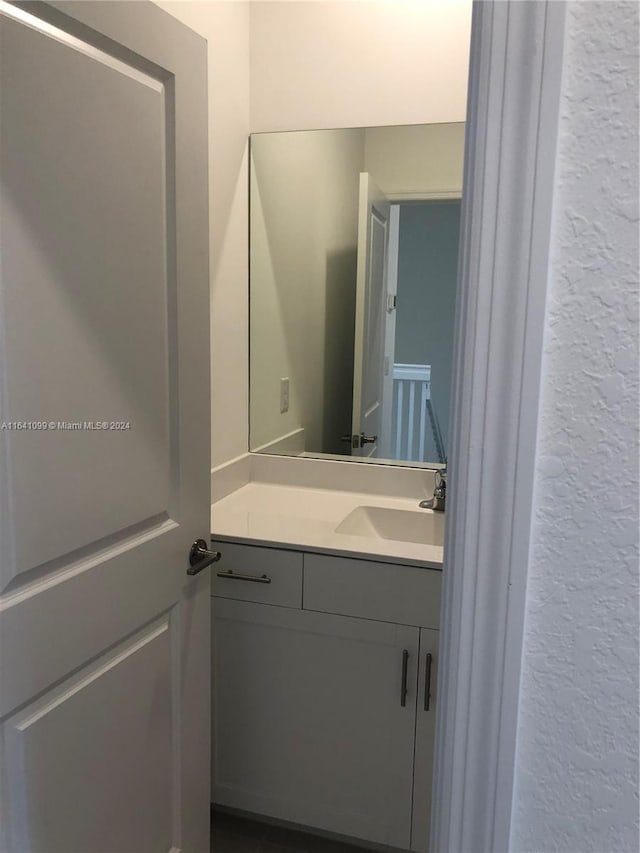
306	518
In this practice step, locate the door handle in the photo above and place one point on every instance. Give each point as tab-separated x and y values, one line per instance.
357	441
200	557
403	687
427	681
367	439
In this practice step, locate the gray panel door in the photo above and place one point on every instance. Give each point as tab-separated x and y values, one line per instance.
104	430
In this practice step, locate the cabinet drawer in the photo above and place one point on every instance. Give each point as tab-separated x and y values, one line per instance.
389	593
263	575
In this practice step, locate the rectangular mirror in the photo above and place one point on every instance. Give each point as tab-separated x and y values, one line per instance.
353	267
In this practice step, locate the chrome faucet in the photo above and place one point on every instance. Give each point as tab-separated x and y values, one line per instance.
438	500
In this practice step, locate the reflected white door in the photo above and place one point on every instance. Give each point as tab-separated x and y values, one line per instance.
386	429
104	445
371	299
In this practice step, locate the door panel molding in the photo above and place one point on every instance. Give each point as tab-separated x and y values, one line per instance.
106	586
39	578
85	44
56	696
55	760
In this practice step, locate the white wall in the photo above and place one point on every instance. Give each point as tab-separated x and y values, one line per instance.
350	64
225	25
577	765
304	231
416	160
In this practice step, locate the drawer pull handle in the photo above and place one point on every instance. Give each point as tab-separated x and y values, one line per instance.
234	576
403	688
427	682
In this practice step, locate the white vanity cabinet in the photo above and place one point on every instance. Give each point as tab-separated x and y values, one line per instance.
320	692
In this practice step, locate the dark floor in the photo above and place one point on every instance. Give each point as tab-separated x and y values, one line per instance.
231	834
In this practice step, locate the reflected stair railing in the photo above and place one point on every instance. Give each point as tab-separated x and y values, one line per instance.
414	414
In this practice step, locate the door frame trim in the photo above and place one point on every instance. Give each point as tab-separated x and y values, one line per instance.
515	79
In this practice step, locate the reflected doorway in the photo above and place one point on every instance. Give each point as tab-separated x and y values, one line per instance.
422	276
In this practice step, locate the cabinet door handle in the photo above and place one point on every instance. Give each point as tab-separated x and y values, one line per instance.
403	688
235	576
427	682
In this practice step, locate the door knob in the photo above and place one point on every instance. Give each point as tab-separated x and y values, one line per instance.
200	557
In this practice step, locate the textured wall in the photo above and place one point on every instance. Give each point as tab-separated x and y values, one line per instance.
576	773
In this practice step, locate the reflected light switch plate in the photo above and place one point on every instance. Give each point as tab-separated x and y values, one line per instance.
284	395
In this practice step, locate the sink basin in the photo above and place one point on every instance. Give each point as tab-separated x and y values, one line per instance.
423	527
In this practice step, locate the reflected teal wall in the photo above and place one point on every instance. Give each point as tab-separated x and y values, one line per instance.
427	272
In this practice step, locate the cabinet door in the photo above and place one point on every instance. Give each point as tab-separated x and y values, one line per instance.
425	733
310	725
